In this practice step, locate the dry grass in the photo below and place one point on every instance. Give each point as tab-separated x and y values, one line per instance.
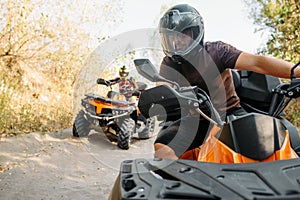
31	102
293	112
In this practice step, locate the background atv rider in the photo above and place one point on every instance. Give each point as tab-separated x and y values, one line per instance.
191	61
128	88
127	85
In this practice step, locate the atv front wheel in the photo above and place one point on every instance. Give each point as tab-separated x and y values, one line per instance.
81	126
149	129
124	135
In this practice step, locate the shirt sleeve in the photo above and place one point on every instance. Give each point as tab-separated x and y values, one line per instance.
224	55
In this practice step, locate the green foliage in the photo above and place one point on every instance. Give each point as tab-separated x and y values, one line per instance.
281	19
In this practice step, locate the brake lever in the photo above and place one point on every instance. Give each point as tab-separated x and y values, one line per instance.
294	89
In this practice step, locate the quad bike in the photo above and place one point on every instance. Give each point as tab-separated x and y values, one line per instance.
113	115
253	156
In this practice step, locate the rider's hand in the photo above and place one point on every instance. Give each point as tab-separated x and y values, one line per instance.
108	83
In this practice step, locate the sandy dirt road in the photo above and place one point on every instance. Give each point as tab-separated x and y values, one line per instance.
57	165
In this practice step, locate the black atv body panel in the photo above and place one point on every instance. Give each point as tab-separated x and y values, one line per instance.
166	98
165	104
255	89
183	179
238	135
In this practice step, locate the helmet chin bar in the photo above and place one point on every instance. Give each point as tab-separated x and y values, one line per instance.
177	59
123	75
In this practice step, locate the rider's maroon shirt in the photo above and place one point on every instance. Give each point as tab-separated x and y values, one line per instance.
210	70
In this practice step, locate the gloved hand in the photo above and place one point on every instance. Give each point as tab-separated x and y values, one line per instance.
102	81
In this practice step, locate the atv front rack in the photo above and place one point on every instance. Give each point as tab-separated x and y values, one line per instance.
110	101
106	117
119	107
184	179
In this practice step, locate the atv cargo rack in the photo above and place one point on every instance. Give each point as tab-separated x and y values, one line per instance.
184	179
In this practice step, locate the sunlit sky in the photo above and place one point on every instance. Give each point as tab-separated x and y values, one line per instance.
223	20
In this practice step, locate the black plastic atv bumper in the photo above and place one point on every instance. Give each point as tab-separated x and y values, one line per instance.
183	179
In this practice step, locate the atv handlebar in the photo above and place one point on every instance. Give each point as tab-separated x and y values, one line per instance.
292	89
284	93
186	99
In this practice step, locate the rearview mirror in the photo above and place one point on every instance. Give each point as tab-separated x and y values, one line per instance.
147	69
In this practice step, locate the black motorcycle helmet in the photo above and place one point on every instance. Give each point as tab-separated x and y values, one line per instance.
181	29
123	72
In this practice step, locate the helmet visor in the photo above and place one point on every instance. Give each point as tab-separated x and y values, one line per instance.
123	74
177	42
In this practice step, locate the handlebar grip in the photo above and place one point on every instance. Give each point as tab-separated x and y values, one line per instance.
103	82
100	81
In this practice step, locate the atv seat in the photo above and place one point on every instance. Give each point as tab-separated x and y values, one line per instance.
110	101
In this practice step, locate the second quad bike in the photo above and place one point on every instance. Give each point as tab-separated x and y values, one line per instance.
252	156
119	119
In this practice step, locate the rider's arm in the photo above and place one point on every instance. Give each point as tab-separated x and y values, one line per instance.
265	65
133	82
114	81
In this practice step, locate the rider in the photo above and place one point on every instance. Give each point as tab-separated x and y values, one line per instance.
127	85
191	61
